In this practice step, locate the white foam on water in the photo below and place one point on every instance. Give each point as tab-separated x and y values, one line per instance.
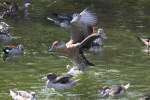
74	71
29	63
145	50
49	92
113	70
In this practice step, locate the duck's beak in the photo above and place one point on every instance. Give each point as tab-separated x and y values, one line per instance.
73	20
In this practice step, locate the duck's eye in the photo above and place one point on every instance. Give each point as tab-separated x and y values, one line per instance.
75	15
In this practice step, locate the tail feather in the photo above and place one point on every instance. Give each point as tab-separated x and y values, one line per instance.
87	62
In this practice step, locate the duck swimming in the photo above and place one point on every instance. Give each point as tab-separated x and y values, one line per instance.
13	51
22	95
115	90
60	82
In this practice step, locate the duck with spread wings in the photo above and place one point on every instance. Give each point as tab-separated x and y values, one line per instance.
75	51
80	24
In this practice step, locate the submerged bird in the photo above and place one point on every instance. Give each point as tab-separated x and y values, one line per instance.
13	51
5	37
22	95
75	51
60	82
115	90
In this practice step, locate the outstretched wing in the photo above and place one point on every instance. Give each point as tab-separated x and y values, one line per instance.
86	43
88	17
82	25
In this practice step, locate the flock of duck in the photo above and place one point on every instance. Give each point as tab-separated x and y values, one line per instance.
85	36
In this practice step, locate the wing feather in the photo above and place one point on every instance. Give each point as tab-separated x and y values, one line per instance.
88	17
88	40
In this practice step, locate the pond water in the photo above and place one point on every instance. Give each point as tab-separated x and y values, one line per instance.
121	61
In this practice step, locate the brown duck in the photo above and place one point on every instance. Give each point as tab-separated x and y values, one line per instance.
75	51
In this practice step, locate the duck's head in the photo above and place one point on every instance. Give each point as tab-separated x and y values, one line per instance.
56	46
105	91
51	76
75	18
7	50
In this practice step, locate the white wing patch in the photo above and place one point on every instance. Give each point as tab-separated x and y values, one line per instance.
88	17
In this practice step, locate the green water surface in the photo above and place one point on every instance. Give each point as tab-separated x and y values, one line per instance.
121	61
